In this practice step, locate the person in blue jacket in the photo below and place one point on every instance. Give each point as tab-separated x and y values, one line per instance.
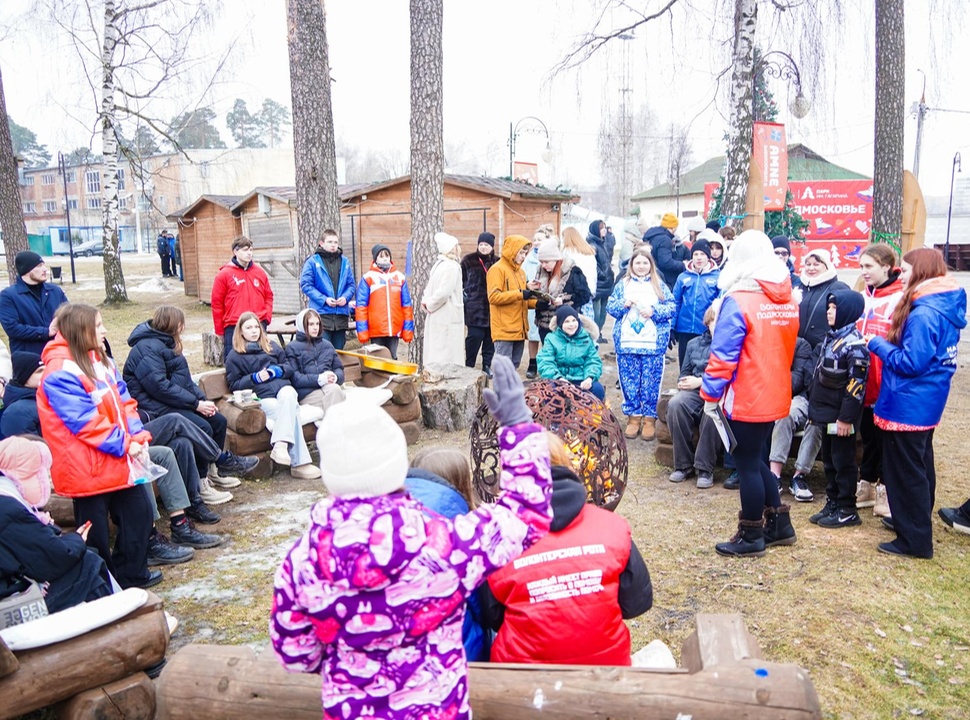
441	480
27	307
328	282
315	368
694	292
919	357
19	413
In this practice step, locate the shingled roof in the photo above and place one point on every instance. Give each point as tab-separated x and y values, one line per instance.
493	186
226	201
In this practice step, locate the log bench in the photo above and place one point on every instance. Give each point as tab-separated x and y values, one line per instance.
723	676
95	675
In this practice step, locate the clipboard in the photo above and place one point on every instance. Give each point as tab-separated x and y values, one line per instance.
723	429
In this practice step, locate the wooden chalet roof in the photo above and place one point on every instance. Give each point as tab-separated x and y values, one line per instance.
226	201
507	189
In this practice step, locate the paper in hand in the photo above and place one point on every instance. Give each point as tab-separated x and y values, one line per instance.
723	428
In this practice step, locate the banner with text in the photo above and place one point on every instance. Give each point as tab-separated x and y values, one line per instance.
771	154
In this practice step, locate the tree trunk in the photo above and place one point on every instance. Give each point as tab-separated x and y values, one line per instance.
114	277
317	200
740	125
427	153
887	199
11	208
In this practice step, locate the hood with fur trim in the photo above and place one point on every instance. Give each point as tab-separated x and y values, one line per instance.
585	323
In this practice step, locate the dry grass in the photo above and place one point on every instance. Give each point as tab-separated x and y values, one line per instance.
881	636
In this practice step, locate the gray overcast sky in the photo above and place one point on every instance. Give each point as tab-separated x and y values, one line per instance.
497	57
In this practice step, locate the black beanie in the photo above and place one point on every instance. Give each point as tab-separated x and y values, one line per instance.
487	237
377	249
701	246
781	241
26	261
714	225
565	311
25	364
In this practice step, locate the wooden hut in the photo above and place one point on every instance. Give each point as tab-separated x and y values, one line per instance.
206	229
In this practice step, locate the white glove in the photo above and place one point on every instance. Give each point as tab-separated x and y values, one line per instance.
322	379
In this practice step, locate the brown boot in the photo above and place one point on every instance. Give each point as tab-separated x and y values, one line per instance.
633	426
649	428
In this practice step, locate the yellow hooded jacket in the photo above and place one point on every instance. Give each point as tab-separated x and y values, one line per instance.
509	312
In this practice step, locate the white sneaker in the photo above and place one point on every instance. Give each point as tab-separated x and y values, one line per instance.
211	496
172	622
881	506
280	454
865	494
305	472
222	482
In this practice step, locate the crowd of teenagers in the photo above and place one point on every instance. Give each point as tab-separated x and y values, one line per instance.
404	573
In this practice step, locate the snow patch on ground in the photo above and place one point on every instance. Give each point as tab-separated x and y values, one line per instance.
154	285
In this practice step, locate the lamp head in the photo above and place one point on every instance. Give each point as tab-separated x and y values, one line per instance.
800	105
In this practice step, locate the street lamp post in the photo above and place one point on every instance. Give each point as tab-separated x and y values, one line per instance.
783	68
957	167
529	124
62	168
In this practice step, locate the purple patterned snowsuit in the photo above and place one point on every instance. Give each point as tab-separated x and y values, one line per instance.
372	597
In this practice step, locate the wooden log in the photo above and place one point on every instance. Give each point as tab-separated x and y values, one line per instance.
213	385
662	402
663	433
248	444
220	683
131	698
403	388
351	368
664	454
61	510
212	349
718	640
264	467
412	431
404	413
112	652
8	661
248	421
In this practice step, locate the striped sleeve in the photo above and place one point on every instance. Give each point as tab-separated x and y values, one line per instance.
73	405
729	334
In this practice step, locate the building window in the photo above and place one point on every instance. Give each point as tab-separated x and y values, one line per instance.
93	180
30	208
28	179
123	203
50	206
94	203
72	204
121	178
71	176
47	179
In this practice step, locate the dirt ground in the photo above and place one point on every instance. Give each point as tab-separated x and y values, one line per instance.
880	636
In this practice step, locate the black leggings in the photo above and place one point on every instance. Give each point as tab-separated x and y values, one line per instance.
758	486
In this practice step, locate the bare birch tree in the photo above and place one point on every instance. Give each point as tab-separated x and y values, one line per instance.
887	194
317	199
427	150
11	209
740	122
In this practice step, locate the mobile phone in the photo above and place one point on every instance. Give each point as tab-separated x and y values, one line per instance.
85	526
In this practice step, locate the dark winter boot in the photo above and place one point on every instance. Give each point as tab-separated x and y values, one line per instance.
778	527
749	540
532	371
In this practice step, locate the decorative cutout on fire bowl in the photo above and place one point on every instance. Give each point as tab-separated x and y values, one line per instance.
587	427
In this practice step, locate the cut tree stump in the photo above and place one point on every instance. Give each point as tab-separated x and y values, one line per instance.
248	444
50	674
412	431
61	510
450	396
664	455
248	421
662	404
212	349
663	433
8	661
404	413
131	698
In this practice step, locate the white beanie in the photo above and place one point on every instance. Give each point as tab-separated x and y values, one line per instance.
445	242
823	256
696	224
362	450
750	253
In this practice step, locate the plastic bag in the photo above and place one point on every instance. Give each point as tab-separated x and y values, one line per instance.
142	470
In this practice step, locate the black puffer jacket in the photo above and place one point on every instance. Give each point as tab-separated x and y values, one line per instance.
604	261
839	381
668	258
306	359
158	379
474	268
696	355
812	323
240	367
802	367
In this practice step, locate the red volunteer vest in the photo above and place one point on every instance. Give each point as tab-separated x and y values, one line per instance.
561	597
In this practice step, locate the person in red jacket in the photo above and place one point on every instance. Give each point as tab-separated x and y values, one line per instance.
565	599
240	286
749	376
92	426
384	314
883	291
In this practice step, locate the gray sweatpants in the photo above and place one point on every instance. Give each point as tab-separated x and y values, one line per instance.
784	431
685	413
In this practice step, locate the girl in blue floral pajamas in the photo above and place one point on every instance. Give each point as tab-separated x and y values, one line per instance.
643	307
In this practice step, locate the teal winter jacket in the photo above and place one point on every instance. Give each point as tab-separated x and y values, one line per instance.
570	358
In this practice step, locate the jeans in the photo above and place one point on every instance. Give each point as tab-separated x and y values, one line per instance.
389	342
337	338
685	413
511	349
596	388
131	512
284	411
599	312
478	338
171	486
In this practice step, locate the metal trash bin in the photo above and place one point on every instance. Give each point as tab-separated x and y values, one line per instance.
56	273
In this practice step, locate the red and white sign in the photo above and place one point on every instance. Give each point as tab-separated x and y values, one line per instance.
525	172
771	154
836	210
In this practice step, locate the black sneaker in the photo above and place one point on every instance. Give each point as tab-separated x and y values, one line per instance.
184	534
237	465
777	480
487	372
532	371
201	513
831	507
733	482
162	552
799	488
154	577
842	518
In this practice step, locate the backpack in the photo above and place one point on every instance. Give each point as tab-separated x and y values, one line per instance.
161	245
